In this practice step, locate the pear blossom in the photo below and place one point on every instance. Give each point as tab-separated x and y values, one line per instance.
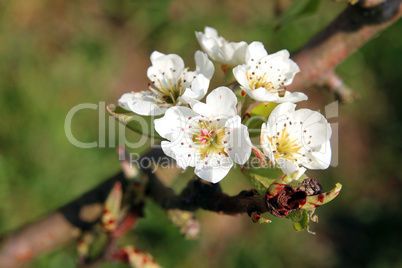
171	84
296	140
220	50
209	136
264	77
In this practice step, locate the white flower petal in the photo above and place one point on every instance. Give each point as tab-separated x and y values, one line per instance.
282	67
281	55
255	52
261	94
165	67
281	112
172	125
220	50
265	144
204	65
184	155
292	97
287	166
239	144
156	55
234	53
209	46
146	107
239	73
220	102
125	99
320	159
210	32
199	87
291	72
316	134
142	103
167	149
166	62
309	117
212	171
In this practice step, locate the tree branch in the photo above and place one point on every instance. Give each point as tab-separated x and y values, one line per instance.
59	228
202	195
355	26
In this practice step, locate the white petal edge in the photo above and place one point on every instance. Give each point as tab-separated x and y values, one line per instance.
239	141
255	51
220	102
125	99
213	173
199	87
204	65
172	124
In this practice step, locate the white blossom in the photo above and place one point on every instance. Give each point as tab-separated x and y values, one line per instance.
264	77
171	84
220	50
296	140
209	137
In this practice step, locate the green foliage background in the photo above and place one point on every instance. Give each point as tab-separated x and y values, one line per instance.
57	54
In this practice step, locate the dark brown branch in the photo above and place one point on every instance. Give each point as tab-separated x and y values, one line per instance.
74	211
201	195
371	3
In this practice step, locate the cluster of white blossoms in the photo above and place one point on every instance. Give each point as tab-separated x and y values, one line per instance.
210	136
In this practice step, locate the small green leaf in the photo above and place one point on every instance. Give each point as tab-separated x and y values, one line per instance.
228	78
260	183
254	124
270	172
262	178
99	243
143	125
300	219
264	109
258	116
297	183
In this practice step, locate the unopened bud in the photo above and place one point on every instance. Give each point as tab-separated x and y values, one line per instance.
112	208
136	258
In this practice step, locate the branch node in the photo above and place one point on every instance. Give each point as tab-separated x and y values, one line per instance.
341	91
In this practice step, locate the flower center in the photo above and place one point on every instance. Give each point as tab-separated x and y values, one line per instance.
257	81
285	146
167	92
210	138
206	136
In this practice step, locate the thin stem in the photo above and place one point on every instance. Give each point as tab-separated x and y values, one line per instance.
245	105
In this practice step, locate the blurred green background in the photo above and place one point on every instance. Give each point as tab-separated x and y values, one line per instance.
57	54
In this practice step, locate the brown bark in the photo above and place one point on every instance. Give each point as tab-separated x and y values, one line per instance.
36	239
201	195
56	229
354	27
